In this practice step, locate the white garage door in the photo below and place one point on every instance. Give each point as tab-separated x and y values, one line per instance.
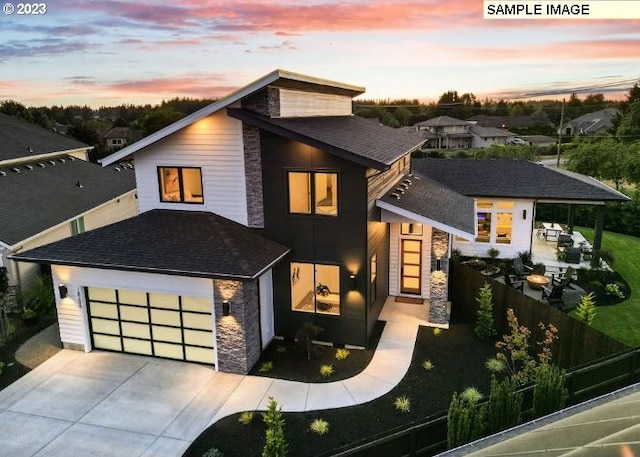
161	325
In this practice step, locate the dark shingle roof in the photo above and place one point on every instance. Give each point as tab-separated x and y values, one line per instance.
487	132
350	137
185	243
442	121
513	179
17	136
435	202
44	195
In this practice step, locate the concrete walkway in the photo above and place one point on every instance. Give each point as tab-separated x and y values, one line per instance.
110	404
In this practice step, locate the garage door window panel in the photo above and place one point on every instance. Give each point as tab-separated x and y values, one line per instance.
197	321
134	313
136	330
131	297
162	317
102	294
164	301
137	346
198	305
106	310
105	326
199	355
198	338
111	343
167	334
170	351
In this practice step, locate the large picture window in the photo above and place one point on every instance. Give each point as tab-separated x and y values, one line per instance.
315	288
319	189
180	184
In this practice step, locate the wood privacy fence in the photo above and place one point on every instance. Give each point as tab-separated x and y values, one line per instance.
577	343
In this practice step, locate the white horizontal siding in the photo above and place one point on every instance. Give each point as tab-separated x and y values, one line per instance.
213	144
295	103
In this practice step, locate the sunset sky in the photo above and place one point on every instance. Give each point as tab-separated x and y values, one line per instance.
113	52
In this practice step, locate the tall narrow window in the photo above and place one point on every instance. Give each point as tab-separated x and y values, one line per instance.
315	288
180	184
300	192
318	188
411	229
484	221
326	193
77	226
373	292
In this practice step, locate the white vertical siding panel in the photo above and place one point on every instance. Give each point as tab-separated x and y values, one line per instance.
71	312
394	259
215	144
299	104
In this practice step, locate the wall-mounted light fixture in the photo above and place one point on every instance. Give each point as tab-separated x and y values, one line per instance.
524	214
62	289
226	307
352	281
438	264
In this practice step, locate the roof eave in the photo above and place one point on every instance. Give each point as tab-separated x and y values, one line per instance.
247	117
218	105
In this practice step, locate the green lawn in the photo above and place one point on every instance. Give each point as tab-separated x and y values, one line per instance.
621	321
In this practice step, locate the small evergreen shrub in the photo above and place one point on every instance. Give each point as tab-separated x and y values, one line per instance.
613	290
326	370
213	452
319	427
484	317
586	310
275	443
466	420
428	365
505	405
403	404
549	392
472	395
246	417
342	354
495	366
266	366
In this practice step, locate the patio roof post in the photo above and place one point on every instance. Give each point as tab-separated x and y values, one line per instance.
570	217
597	234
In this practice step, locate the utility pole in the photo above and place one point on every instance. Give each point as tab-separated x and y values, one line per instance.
560	133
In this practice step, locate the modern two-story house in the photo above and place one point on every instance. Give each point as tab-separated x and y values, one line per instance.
267	209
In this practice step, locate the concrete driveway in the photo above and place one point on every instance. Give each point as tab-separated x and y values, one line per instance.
108	404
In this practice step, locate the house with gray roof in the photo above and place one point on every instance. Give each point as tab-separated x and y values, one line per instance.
48	191
274	207
446	132
590	124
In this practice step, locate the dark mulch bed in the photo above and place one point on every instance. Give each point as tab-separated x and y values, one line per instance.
458	358
290	360
14	370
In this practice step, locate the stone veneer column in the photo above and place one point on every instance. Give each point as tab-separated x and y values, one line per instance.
238	334
439	279
253	175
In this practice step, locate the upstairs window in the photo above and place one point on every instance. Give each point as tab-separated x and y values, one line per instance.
180	184
313	192
77	226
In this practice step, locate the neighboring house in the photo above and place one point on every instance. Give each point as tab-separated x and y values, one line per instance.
445	132
519	123
47	193
119	137
274	207
484	137
450	133
22	141
591	123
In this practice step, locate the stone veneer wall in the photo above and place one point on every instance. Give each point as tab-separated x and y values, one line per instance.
238	334
253	175
265	102
439	279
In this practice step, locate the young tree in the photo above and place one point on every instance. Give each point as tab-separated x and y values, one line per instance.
549	392
586	310
275	444
485	329
505	405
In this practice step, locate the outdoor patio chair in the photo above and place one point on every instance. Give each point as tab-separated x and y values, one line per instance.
512	282
520	269
564	279
554	296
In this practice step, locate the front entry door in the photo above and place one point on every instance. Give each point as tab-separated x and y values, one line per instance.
410	277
